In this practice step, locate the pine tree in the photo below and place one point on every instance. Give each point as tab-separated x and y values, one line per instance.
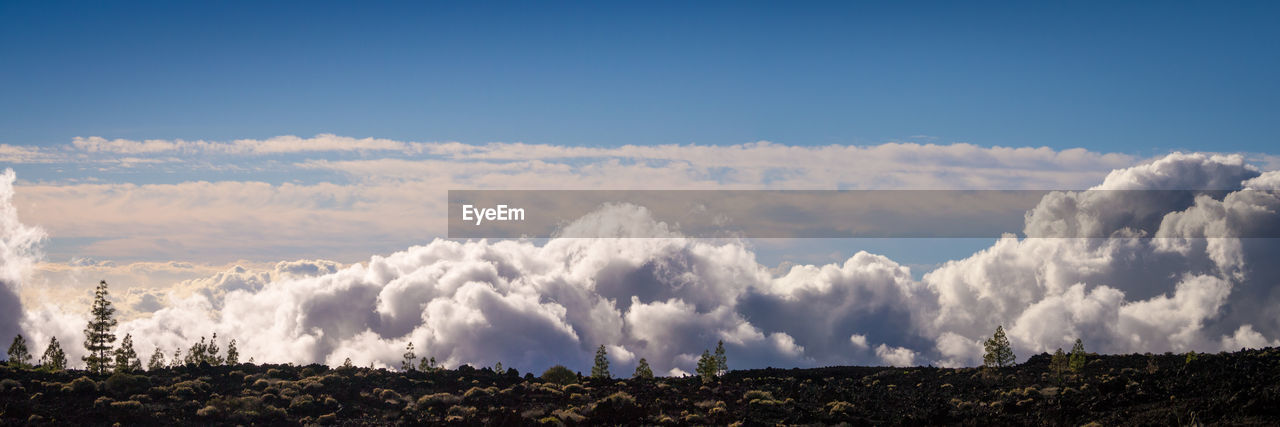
98	334
601	368
1058	364
346	364
497	368
1077	356
54	358
157	360
196	353
642	371
177	358
126	358
998	351
211	352
407	364
18	354
428	364
233	354
706	366
722	363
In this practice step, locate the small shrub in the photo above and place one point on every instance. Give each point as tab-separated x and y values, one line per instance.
9	384
303	404
389	394
462	412
122	384
534	413
757	395
568	415
438	400
559	375
128	407
83	385
839	408
477	393
209	411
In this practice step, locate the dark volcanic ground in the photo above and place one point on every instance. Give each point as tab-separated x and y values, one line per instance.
1226	388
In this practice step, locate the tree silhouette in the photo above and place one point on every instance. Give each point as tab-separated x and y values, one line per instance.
707	366
1077	356
211	352
998	351
643	372
197	353
126	358
428	364
722	363
601	368
233	354
98	335
1058	364
54	358
407	364
157	360
18	354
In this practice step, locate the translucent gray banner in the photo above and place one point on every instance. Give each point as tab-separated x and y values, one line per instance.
856	213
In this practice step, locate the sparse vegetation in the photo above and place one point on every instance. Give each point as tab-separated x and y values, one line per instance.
1116	389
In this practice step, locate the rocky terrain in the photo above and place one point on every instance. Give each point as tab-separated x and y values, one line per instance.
1168	389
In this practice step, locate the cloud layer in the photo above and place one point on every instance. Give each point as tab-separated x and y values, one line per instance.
19	246
530	304
343	198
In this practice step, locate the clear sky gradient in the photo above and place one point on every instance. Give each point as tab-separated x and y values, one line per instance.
1142	78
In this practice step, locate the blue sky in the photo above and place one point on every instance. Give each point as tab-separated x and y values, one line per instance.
1143	78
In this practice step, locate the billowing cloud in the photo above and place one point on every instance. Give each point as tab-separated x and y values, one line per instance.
19	246
895	356
1177	292
532	304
